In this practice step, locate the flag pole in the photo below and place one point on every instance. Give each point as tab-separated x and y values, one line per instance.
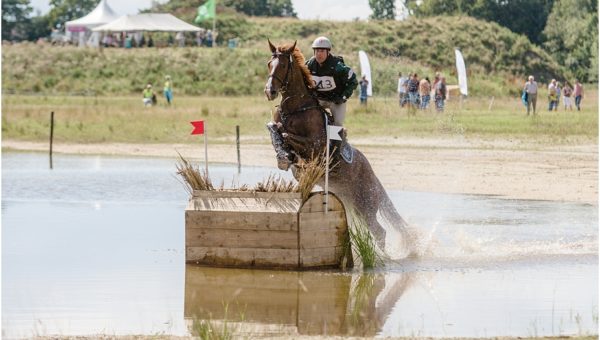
205	151
327	173
214	23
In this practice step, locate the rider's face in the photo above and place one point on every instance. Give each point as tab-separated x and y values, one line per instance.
321	54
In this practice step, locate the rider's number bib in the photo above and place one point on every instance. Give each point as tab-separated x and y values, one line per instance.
325	83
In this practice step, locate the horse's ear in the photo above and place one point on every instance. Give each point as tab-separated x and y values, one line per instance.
273	48
291	50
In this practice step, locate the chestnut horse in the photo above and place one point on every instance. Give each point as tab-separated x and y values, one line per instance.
298	132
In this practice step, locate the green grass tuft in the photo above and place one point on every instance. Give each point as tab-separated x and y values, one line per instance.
362	241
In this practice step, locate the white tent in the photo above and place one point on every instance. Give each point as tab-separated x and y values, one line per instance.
101	15
147	22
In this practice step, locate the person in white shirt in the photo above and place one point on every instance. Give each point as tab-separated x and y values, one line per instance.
402	89
531	89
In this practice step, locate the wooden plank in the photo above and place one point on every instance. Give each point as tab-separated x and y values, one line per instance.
319	230
246	194
240	220
315	203
244	204
231	238
318	257
242	257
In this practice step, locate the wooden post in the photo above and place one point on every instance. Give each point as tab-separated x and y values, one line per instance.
491	103
237	142
51	135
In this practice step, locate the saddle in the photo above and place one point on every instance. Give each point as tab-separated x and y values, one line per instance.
345	149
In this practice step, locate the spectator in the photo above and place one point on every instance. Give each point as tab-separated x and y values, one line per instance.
402	85
180	38
567	92
209	38
558	89
128	42
531	89
551	95
142	41
440	94
200	37
425	92
150	41
149	97
578	94
364	84
168	90
413	92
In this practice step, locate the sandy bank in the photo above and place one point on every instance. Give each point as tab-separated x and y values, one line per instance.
505	168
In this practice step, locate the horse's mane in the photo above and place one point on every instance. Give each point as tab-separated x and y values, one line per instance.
300	62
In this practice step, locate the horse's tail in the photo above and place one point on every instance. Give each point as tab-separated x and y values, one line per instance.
390	214
403	244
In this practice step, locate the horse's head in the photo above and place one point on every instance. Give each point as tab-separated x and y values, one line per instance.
280	68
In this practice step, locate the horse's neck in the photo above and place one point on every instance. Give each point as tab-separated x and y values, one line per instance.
297	93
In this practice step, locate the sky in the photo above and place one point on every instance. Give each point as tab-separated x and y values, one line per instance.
306	9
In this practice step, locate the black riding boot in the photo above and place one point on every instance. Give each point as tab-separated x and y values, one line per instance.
283	156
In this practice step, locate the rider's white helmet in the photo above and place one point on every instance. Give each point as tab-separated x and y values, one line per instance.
321	42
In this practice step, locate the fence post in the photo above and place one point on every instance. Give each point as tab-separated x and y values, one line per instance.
237	142
51	135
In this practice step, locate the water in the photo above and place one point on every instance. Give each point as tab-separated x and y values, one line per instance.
96	246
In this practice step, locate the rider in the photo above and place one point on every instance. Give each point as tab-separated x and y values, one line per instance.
334	81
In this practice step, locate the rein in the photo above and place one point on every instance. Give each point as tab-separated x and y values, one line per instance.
286	81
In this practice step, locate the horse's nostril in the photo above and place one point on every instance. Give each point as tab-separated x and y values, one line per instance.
273	92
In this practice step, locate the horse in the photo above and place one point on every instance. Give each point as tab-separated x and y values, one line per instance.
298	132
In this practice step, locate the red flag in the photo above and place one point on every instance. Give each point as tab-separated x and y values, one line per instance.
198	127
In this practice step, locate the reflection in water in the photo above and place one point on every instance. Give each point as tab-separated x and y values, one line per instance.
259	302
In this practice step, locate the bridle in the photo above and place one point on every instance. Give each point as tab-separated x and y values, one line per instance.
286	80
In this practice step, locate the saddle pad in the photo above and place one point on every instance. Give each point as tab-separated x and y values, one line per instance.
347	152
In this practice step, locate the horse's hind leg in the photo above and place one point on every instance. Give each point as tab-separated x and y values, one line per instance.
283	156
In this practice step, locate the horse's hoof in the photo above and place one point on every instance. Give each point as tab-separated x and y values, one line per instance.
283	164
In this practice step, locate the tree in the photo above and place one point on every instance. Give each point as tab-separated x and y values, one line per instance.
268	8
520	16
383	9
65	10
37	27
14	14
571	36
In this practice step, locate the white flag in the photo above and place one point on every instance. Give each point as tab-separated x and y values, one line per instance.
334	132
462	72
365	70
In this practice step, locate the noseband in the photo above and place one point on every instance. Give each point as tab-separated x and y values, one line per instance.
286	80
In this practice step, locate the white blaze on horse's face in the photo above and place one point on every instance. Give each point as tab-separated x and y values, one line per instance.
270	90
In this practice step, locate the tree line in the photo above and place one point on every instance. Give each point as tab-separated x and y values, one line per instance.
567	29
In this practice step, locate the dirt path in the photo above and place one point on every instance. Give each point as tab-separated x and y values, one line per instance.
510	169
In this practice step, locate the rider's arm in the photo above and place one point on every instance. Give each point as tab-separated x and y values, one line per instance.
347	77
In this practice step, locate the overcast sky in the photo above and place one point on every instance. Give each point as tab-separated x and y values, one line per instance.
306	9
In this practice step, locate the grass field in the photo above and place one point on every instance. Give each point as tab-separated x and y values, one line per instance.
80	119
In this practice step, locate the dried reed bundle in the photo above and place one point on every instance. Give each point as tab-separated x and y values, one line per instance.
192	177
310	173
275	183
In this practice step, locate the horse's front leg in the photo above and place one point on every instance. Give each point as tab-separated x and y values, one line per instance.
283	155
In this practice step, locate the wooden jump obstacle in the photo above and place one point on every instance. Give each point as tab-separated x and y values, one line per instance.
265	230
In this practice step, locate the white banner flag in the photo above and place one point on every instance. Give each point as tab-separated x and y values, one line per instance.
334	132
462	72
